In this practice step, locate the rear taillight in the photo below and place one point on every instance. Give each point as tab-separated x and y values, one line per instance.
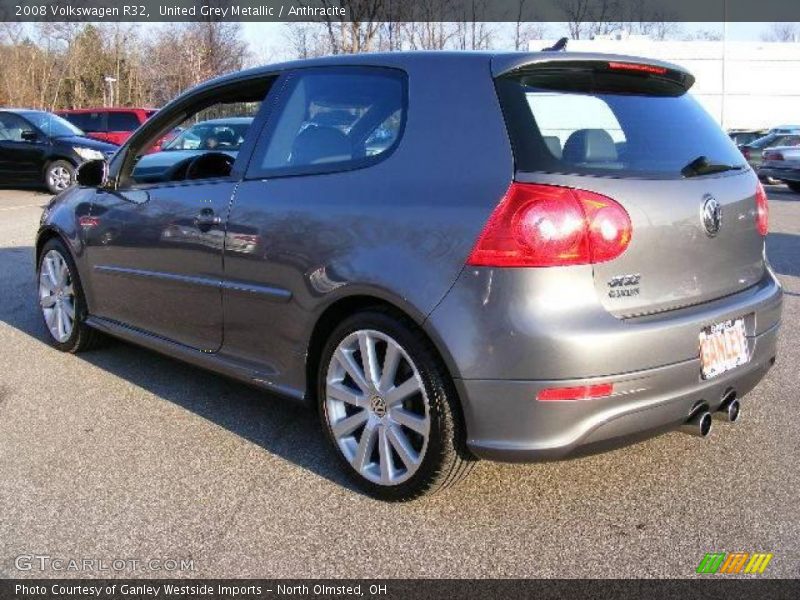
762	210
547	226
746	153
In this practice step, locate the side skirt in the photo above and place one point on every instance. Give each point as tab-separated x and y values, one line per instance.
212	361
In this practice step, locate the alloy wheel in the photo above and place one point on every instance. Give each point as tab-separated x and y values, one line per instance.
60	178
57	296
377	407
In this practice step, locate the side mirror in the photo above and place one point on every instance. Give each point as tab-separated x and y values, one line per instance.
29	135
93	173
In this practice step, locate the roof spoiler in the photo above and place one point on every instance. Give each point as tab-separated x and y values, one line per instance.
506	64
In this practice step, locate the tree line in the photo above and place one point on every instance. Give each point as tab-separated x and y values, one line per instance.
73	65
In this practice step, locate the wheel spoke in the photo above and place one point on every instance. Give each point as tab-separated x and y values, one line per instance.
47	301
389	370
60	329
385	453
408	419
69	308
403	447
365	446
368	358
340	392
68	291
51	272
63	272
399	393
349	424
347	361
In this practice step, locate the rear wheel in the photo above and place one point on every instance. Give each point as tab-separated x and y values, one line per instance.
794	186
58	176
389	408
62	302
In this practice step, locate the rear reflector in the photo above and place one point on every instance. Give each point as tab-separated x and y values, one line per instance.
584	392
762	210
619	66
547	226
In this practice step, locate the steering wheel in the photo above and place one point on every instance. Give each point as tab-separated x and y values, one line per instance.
210	164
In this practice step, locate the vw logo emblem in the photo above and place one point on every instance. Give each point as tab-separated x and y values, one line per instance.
378	406
712	215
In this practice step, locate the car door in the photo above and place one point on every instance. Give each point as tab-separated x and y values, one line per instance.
292	218
21	155
155	253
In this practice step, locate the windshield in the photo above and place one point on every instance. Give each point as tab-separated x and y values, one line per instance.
52	125
617	133
221	136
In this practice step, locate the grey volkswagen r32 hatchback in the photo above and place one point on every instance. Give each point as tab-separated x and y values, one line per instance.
453	256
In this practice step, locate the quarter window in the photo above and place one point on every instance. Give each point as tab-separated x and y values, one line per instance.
334	120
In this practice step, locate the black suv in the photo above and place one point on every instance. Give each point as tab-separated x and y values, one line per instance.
40	147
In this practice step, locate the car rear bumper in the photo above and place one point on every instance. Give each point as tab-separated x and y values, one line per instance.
506	423
657	383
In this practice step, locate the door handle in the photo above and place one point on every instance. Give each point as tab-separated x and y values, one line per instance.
206	219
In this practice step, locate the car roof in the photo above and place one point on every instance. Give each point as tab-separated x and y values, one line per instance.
499	63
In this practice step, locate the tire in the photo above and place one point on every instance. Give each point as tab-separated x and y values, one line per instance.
396	412
58	176
57	273
794	186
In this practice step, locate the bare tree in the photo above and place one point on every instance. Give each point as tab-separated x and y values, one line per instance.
782	32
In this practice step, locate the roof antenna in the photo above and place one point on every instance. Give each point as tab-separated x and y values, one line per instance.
559	46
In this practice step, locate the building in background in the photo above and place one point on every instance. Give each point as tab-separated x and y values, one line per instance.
741	84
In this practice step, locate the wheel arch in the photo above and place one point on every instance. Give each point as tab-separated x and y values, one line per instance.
344	307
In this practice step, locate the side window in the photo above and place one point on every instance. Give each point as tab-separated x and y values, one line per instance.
202	141
90	122
333	119
122	121
11	127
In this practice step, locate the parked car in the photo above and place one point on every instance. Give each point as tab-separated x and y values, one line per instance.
38	147
742	137
753	151
782	164
113	125
783	129
525	268
220	135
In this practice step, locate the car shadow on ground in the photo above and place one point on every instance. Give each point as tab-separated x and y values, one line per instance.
783	250
280	426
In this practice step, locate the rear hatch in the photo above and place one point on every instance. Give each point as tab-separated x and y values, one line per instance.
630	131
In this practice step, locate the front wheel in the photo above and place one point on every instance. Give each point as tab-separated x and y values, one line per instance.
389	408
62	302
58	176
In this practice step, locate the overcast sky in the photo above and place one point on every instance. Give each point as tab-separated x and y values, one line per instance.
267	39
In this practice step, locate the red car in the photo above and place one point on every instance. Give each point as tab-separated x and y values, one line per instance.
114	125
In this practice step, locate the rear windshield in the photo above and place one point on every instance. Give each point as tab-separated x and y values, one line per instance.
616	126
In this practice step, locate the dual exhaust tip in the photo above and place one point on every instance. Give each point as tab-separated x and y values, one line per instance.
699	421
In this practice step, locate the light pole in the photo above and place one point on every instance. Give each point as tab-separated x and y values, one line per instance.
108	81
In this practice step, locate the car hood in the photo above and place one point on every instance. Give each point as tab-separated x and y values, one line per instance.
85	142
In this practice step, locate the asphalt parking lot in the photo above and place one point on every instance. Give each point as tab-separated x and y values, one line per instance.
123	453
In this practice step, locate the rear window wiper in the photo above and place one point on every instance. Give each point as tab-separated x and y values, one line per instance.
702	166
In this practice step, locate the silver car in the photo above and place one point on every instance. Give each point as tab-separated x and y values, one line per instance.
451	256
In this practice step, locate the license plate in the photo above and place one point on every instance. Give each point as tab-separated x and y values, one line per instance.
723	346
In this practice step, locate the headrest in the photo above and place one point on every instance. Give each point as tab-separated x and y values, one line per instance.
590	145
317	144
